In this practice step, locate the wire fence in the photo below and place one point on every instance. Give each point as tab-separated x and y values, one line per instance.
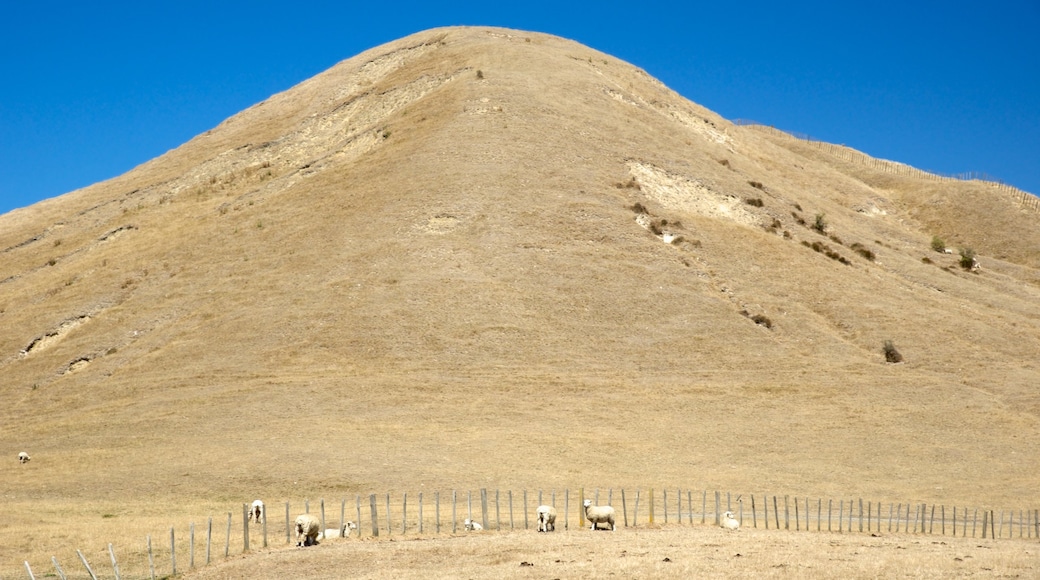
488	511
1023	198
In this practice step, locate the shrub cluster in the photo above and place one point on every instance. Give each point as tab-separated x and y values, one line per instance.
827	251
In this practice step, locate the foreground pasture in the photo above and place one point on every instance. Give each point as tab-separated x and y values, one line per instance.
662	552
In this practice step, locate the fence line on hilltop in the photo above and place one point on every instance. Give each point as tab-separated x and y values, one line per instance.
1023	198
497	511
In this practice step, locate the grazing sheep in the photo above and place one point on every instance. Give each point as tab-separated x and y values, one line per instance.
472	526
257	512
23	457
599	514
546	518
729	522
342	532
307	529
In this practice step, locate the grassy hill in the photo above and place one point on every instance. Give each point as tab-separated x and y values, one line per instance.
488	258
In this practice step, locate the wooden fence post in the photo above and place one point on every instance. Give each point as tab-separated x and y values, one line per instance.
624	507
375	515
511	509
718	508
635	512
191	545
754	516
342	519
819	514
498	514
420	514
484	508
173	554
437	511
664	501
321	510
151	558
525	510
288	527
245	528
404	513
566	509
357	513
388	513
454	513
227	536
689	504
651	522
83	559
115	566
209	537
57	568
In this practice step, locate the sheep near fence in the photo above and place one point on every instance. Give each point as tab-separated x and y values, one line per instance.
798	514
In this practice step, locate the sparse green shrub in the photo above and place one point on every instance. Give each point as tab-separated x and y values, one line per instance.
638	207
755	202
798	207
967	258
836	239
938	244
724	162
480	74
891	354
797	218
820	224
757	185
630	184
927	260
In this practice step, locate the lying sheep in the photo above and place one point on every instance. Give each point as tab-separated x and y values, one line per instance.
546	518
257	512
599	514
471	526
342	532
307	529
23	457
729	522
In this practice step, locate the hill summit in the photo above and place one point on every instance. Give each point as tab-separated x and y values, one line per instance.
484	255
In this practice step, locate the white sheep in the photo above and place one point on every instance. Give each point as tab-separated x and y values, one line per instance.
599	514
307	529
257	512
342	532
471	526
546	518
729	522
23	457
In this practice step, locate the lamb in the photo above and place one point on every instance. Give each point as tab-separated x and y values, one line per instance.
307	529
342	532
471	526
257	512
729	522
23	457
599	514
546	518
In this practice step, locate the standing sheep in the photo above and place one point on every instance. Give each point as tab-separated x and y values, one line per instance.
307	529
729	522
546	518
599	514
257	513
23	457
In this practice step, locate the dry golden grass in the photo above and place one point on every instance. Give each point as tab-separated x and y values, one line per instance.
667	552
403	276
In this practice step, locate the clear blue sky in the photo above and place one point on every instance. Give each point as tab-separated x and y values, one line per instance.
88	90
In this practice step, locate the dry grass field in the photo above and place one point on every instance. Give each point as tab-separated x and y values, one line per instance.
484	258
667	552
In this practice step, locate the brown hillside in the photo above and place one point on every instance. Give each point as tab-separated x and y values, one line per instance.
482	257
